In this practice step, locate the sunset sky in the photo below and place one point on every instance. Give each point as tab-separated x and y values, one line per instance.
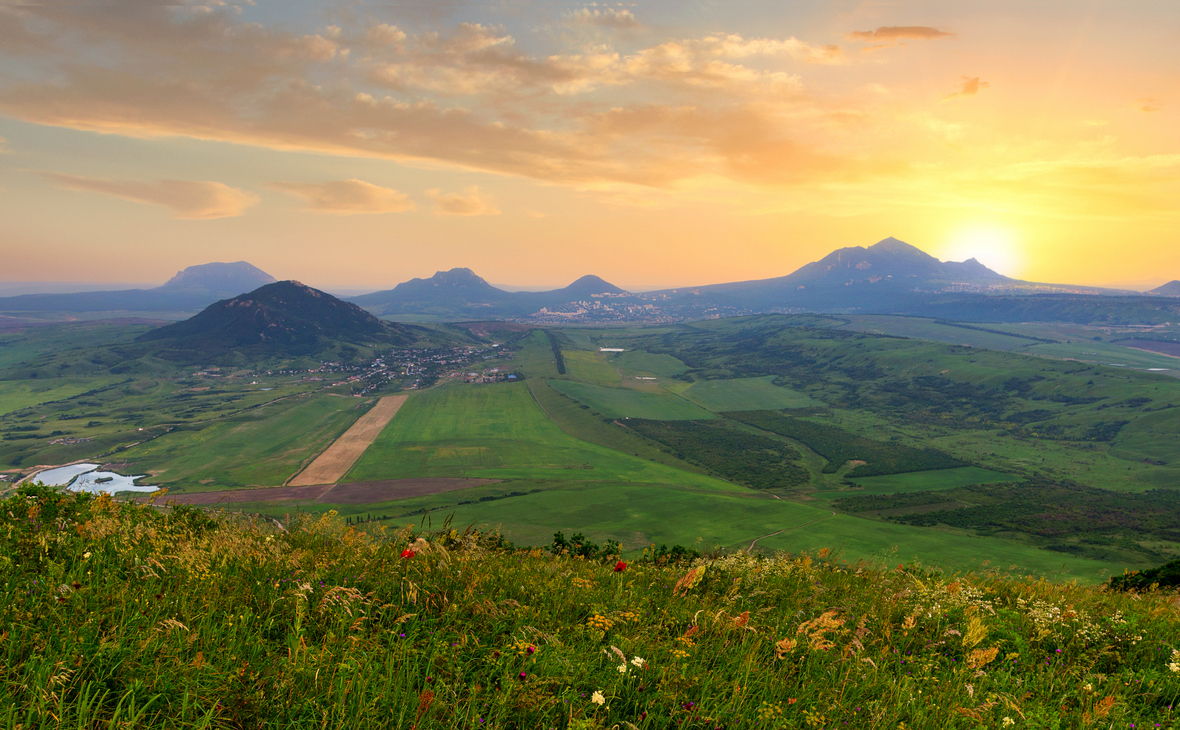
655	144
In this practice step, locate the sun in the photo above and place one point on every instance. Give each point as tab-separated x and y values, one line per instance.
995	248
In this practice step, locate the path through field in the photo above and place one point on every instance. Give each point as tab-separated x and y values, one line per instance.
330	466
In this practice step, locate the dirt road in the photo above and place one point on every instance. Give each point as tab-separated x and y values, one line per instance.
331	466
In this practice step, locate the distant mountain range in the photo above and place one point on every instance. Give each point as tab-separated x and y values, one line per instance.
285	318
193	288
890	276
461	292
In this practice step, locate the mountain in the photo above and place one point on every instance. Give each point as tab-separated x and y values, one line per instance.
460	292
285	318
1171	289
854	277
193	288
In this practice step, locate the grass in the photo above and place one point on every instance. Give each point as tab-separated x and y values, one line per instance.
590	367
746	394
119	615
498	431
262	447
654	404
921	481
18	394
641	362
1104	353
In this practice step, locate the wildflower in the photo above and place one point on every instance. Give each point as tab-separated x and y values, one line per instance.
77	585
622	668
638	662
408	553
1008	722
597	698
86	555
620	566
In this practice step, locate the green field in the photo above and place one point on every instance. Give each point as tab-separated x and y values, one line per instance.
590	367
499	431
654	404
929	329
18	394
646	363
745	394
262	447
1104	353
921	481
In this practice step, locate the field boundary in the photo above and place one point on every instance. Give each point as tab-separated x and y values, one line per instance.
335	461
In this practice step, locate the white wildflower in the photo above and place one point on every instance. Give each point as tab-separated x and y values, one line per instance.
1008	722
622	668
638	662
597	698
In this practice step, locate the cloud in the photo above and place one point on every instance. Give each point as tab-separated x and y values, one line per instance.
1149	104
971	87
189	200
605	18
347	197
898	33
473	202
4	148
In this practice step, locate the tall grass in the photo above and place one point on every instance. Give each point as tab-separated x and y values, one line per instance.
117	615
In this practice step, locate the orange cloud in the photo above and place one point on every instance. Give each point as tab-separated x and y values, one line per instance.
971	87
605	18
191	200
473	202
899	32
347	197
1150	104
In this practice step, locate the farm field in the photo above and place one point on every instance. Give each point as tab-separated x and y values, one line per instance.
655	404
589	367
1105	353
18	394
499	431
338	458
262	447
745	394
929	329
921	481
638	362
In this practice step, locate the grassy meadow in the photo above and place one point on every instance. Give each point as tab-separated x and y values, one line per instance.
649	402
499	431
121	615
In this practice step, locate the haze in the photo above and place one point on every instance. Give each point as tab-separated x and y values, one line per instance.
654	144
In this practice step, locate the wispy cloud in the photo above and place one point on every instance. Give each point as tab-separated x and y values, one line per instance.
191	200
971	86
347	197
1150	104
470	202
898	33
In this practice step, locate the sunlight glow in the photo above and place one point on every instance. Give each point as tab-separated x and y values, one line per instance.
994	247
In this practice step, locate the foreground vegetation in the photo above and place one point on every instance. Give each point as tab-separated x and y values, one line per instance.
122	615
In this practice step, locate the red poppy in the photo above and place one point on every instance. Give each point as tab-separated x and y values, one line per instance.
620	566
408	553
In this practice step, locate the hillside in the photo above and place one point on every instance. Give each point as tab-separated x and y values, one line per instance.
1171	289
123	615
462	293
193	288
285	318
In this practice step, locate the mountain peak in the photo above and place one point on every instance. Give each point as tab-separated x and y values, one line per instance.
892	245
220	279
285	317
458	276
591	284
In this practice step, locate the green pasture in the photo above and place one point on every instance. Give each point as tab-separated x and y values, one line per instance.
640	362
261	447
745	394
885	543
590	367
32	342
929	329
18	394
1105	353
654	404
638	515
921	481
499	431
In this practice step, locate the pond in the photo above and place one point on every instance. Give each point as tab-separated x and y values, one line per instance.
83	478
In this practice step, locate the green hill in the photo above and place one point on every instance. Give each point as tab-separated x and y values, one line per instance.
120	615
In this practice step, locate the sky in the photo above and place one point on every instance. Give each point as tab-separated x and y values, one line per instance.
655	144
